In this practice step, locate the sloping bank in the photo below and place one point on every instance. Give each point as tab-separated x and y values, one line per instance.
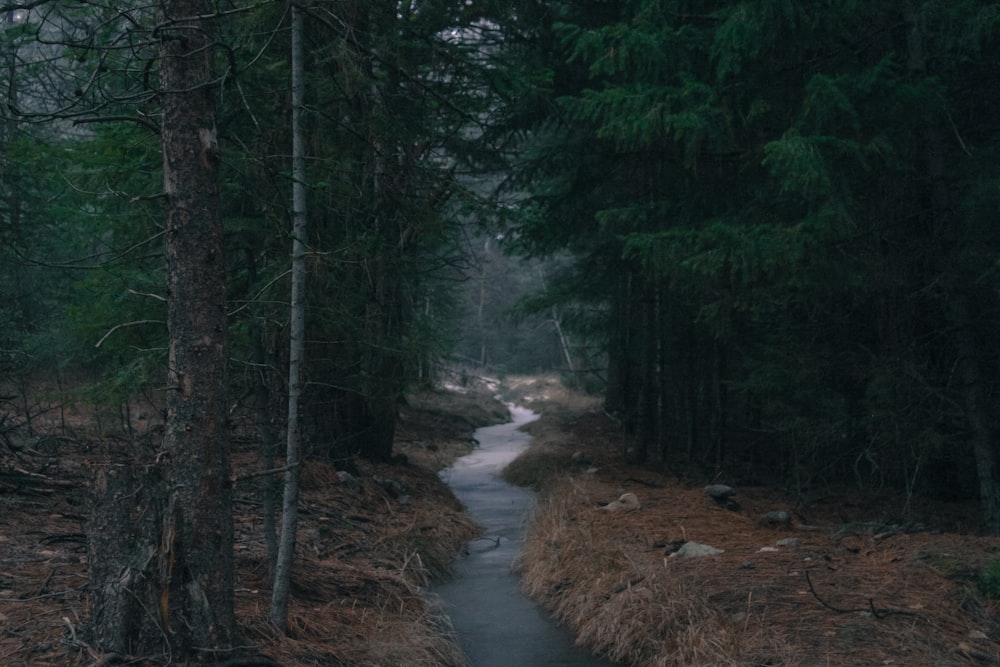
585	564
832	583
372	537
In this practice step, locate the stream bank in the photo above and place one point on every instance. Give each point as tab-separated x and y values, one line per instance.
496	625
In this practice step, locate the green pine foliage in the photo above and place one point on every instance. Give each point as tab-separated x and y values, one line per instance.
767	226
781	199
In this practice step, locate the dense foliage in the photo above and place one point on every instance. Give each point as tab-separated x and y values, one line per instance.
766	226
787	212
394	99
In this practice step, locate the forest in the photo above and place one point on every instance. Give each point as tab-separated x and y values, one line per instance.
763	230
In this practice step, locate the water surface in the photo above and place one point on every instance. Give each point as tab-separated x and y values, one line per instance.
497	625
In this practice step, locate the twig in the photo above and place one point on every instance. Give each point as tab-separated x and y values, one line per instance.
45	584
262	473
72	629
877	613
149	294
824	602
43	596
125	324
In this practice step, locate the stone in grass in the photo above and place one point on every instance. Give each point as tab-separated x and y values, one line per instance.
720	492
349	480
723	495
695	549
395	488
627	503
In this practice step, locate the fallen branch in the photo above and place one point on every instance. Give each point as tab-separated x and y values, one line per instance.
877	613
262	473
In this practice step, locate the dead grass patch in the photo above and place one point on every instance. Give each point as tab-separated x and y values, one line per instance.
632	608
849	592
547	394
538	466
364	558
356	613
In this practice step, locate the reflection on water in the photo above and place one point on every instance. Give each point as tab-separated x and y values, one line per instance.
497	625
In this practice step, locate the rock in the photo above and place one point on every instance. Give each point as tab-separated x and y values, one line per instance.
627	503
395	488
723	495
776	519
671	547
720	492
695	549
349	480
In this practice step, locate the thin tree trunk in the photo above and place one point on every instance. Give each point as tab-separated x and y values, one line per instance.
563	340
480	322
265	427
289	512
977	412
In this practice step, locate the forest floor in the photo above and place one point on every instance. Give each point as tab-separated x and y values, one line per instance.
368	543
853	586
848	580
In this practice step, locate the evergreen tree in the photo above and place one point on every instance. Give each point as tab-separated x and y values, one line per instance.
781	197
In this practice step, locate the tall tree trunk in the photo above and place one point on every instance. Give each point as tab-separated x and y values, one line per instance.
160	541
289	512
197	537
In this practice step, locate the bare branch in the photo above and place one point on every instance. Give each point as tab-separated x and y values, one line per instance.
122	326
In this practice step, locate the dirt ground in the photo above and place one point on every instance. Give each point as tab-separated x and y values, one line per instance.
838	583
367	546
851	588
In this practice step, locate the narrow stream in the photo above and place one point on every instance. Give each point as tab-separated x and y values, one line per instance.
497	626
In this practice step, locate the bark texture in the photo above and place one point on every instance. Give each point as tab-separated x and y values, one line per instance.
197	532
161	532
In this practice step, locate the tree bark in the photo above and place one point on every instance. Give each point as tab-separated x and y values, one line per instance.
160	539
196	546
289	512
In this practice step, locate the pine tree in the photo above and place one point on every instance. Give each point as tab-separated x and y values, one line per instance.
773	191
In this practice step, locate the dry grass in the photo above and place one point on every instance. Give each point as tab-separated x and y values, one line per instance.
363	556
850	593
635	609
354	613
547	393
551	454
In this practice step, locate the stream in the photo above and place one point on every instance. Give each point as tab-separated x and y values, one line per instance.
496	625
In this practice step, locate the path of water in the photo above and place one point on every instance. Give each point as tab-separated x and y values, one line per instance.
497	625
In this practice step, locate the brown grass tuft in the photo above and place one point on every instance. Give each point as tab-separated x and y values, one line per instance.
622	603
851	591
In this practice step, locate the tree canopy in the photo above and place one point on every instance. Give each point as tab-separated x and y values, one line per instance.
764	229
788	208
